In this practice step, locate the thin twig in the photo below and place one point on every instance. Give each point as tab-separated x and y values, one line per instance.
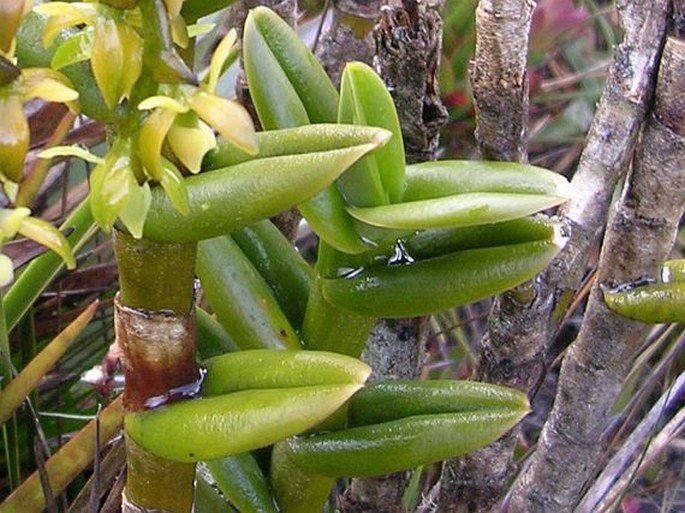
622	468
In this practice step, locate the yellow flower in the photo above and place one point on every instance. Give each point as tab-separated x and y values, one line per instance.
111	42
30	83
11	12
183	117
18	221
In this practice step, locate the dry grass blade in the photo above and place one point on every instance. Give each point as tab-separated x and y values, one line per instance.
67	463
17	389
638	451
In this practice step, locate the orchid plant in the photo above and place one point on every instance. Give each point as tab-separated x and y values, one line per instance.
186	186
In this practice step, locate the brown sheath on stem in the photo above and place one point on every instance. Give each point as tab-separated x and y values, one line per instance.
158	358
157	353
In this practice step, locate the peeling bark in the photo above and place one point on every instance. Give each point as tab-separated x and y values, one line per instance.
157	353
641	234
408	44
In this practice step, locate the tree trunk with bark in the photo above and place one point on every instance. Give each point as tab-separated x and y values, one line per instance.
523	323
640	237
499	80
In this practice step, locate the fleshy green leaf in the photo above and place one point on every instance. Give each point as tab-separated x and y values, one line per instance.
290	88
364	100
303	71
468	209
383	401
440	283
275	99
244	370
429	180
230	198
241	300
654	303
673	271
401	444
241	481
205	429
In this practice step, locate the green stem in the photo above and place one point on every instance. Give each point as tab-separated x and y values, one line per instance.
328	328
325	326
156	332
155	275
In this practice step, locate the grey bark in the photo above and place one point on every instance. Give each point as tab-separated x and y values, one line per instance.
529	325
499	80
640	237
349	36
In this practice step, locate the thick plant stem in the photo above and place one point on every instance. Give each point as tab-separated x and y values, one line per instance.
156	334
499	80
641	234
